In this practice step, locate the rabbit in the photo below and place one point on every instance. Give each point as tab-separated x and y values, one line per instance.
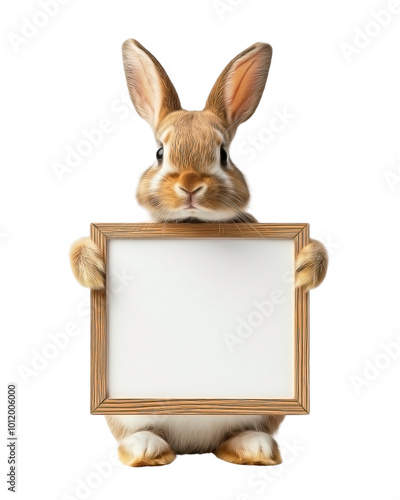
193	179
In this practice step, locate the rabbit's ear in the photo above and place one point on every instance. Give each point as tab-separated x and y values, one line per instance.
150	88
238	89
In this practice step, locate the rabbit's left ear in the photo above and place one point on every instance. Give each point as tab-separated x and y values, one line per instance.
150	88
238	89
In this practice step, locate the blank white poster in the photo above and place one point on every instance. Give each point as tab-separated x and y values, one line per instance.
200	318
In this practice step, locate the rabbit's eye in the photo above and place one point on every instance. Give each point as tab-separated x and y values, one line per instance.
159	155
224	156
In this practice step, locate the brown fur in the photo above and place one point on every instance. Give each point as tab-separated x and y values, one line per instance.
240	85
311	265
171	100
193	143
271	423
87	264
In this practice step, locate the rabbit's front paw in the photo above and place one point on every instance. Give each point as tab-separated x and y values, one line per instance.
311	265
87	264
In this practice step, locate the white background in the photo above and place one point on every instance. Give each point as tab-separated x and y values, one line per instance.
328	166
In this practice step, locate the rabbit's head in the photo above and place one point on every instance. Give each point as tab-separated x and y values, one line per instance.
193	176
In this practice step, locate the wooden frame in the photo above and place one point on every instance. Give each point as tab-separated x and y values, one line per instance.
100	403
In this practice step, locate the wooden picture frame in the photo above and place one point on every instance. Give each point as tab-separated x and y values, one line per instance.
101	402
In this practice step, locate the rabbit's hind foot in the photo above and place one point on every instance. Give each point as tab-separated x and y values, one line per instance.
145	448
250	448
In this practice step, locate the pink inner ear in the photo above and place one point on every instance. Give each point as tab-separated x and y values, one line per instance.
143	83
148	90
144	102
243	84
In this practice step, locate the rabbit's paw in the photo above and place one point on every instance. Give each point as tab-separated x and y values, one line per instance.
250	448
87	264
143	449
311	265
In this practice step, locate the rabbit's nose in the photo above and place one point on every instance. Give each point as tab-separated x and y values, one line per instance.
192	191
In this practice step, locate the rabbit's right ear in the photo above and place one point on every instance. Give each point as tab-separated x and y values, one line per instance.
150	88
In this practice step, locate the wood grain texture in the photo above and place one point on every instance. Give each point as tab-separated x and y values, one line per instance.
199	406
200	230
101	404
98	332
302	333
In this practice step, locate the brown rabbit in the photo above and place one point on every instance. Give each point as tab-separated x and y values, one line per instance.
194	179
